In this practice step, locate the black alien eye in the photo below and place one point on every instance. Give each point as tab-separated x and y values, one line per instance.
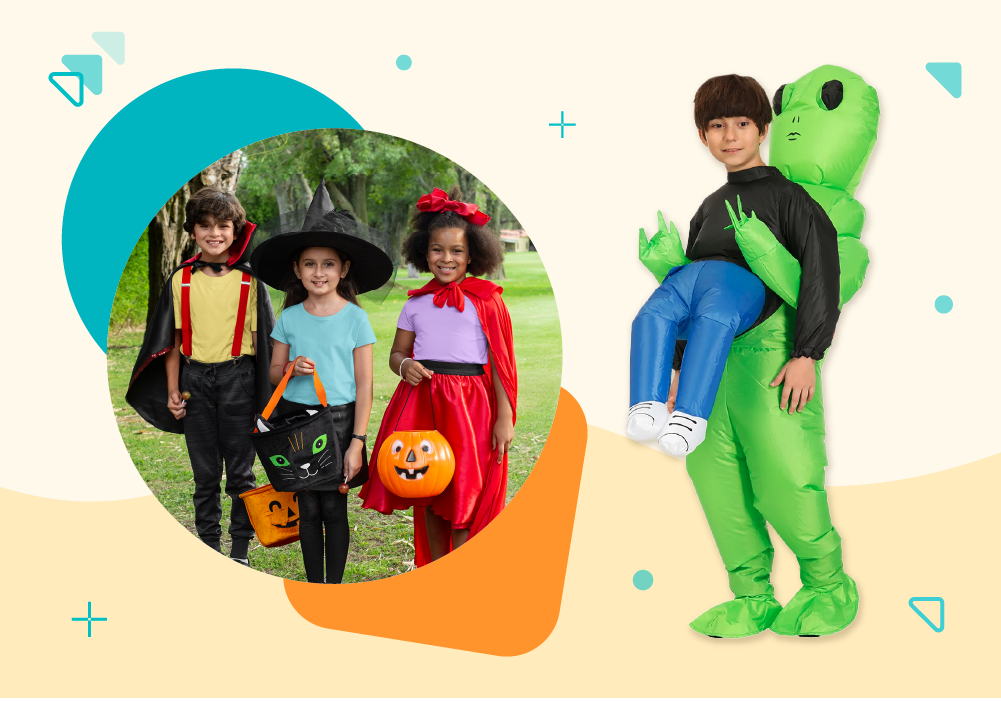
832	94
777	100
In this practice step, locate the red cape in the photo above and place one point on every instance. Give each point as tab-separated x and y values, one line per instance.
496	323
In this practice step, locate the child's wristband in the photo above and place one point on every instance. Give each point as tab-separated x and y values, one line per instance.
400	373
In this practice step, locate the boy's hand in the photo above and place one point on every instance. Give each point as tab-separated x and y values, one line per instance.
800	377
502	437
414	372
672	394
302	366
352	460
176	404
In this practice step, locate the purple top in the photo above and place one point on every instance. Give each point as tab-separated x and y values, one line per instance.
445	334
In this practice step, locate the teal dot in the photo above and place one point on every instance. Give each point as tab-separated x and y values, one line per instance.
943	305
403	62
642	580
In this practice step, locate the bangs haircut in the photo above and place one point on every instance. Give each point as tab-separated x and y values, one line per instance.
486	252
732	96
218	204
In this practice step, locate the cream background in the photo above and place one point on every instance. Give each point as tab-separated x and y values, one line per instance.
486	81
926	536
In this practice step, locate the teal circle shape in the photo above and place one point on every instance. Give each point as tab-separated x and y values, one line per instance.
404	62
642	580
100	229
943	304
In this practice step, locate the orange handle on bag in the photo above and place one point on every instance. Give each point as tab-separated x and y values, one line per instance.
320	393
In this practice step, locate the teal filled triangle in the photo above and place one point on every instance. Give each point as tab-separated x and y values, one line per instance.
113	44
90	66
949	76
62	80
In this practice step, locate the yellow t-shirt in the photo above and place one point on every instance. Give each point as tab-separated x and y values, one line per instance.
213	306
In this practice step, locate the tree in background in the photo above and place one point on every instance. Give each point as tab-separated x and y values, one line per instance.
376	177
169	243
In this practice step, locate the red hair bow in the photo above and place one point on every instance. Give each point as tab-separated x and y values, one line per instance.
437	201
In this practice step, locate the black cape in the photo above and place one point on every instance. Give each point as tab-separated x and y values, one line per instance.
147	392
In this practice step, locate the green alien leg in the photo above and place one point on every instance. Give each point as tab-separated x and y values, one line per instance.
719	473
786	459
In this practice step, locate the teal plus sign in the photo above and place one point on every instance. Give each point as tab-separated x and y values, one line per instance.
89	619
562	123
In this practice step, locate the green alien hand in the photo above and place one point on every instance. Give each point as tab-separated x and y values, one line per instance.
780	271
664	251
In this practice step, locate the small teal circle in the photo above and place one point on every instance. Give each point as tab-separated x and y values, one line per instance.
403	62
642	580
943	305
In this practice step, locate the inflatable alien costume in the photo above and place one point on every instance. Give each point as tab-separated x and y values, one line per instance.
759	463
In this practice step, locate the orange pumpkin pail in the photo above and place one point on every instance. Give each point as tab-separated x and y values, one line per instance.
418	463
274	515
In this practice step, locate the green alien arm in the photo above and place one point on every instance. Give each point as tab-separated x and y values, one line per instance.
664	251
780	271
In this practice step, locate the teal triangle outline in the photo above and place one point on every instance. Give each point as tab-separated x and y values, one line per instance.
940	600
113	44
93	75
949	75
60	88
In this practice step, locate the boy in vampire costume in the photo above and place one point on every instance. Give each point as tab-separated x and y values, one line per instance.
203	366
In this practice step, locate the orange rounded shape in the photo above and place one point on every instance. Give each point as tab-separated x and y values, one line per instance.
416	464
343	488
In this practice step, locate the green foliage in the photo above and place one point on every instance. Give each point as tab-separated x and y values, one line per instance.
129	307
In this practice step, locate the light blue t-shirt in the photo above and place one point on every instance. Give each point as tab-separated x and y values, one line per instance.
329	341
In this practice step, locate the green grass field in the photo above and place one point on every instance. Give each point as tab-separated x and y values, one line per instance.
381	546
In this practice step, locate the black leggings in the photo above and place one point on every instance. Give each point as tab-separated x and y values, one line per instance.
318	511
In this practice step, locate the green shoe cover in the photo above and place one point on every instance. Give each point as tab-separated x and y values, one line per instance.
814	612
739	618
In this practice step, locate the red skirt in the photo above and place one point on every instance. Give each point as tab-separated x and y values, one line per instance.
464	413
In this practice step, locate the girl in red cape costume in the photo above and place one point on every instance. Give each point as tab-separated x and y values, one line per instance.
454	351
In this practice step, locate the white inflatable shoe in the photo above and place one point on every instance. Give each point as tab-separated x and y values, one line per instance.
683	434
646	420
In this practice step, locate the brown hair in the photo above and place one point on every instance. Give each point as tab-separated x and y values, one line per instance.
732	96
218	204
295	289
485	250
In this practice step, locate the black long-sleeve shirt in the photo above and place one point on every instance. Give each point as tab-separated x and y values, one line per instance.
799	224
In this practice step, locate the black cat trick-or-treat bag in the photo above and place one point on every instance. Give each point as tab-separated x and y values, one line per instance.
299	449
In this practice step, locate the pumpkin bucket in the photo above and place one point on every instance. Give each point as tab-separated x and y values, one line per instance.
298	449
416	464
274	515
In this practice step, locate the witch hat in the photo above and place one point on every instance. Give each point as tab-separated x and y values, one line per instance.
368	249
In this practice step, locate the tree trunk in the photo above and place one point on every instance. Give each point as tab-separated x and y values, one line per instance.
495	208
169	243
359	197
412	272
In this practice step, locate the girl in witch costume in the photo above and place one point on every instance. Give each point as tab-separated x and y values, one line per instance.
209	338
322	264
454	336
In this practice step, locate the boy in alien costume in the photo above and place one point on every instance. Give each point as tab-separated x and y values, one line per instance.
759	463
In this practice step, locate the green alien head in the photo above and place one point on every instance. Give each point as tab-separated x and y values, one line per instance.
824	128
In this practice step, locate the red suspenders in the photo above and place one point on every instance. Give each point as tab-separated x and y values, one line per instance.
241	313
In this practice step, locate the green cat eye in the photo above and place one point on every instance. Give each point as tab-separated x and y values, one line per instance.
279	460
319	444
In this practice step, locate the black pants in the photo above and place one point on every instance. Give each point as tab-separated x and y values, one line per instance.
217	424
324	508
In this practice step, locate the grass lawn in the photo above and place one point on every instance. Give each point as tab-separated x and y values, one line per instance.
381	546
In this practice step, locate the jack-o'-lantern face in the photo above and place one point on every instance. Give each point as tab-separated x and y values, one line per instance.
416	464
288	519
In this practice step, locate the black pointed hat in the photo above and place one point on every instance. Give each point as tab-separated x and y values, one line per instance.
373	263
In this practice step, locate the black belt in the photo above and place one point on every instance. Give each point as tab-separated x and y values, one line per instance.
221	364
439	366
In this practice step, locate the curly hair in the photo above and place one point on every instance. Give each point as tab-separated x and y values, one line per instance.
732	96
486	252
